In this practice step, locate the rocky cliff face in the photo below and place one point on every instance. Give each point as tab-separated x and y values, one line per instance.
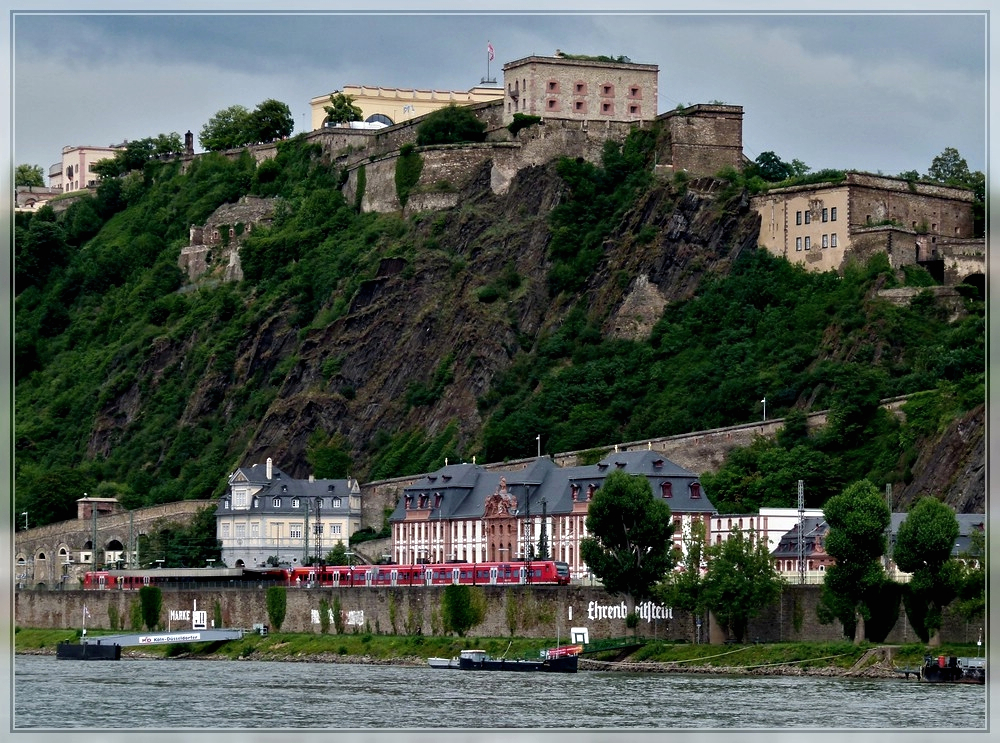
415	317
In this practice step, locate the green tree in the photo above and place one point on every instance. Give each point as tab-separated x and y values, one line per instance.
460	609
451	125
629	547
857	520
29	175
949	167
277	604
685	588
740	581
338	555
151	599
271	120
342	109
923	548
227	129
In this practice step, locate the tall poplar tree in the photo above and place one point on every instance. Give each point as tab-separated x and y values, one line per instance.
858	519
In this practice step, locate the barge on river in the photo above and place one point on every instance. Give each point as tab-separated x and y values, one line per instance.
555	660
953	670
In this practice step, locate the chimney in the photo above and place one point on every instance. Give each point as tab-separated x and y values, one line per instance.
269	468
188	143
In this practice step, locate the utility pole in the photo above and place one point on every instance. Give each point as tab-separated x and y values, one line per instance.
305	535
802	543
888	528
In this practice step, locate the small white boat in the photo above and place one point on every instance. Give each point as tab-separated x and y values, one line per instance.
443	662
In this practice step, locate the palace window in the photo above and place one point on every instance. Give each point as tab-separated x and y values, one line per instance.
295	531
241	530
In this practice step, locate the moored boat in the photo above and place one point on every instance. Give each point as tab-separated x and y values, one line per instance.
88	651
556	660
953	670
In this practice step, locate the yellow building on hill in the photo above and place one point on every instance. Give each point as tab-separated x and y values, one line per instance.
387	106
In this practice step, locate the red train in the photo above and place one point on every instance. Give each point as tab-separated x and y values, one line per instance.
540	572
439	574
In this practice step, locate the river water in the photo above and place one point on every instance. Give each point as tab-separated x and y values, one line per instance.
180	694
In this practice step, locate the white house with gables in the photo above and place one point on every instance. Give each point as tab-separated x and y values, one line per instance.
267	514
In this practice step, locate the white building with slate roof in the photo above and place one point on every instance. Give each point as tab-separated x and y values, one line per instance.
465	513
267	514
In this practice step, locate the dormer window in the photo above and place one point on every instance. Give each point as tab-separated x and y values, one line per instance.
330	487
620	465
276	503
284	488
437	500
696	491
295	502
658	463
602	466
575	490
667	489
335	502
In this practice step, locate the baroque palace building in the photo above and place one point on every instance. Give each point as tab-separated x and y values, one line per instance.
465	513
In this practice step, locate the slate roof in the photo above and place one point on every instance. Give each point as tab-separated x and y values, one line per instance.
286	488
464	488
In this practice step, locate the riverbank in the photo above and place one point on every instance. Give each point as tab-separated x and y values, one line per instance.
772	659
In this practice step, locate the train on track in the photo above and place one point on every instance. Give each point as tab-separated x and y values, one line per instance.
536	572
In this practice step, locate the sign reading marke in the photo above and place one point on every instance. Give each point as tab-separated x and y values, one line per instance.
646	610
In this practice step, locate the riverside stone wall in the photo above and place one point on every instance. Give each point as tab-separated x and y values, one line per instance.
528	611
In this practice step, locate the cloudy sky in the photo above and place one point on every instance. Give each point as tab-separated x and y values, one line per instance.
849	90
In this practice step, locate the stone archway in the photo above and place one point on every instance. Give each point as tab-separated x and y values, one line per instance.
977	281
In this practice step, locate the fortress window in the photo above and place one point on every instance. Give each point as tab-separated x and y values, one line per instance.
833	214
798	243
825	214
634	110
580	88
552	86
808	217
808	242
798	217
635	92
833	240
825	241
607	89
580	107
607	108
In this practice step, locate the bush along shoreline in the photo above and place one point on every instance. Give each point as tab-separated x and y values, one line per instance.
774	659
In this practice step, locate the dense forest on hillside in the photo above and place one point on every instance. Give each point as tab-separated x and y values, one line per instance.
132	383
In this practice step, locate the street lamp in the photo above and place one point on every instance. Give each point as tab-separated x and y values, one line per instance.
209	560
765	408
350	558
25	514
159	564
